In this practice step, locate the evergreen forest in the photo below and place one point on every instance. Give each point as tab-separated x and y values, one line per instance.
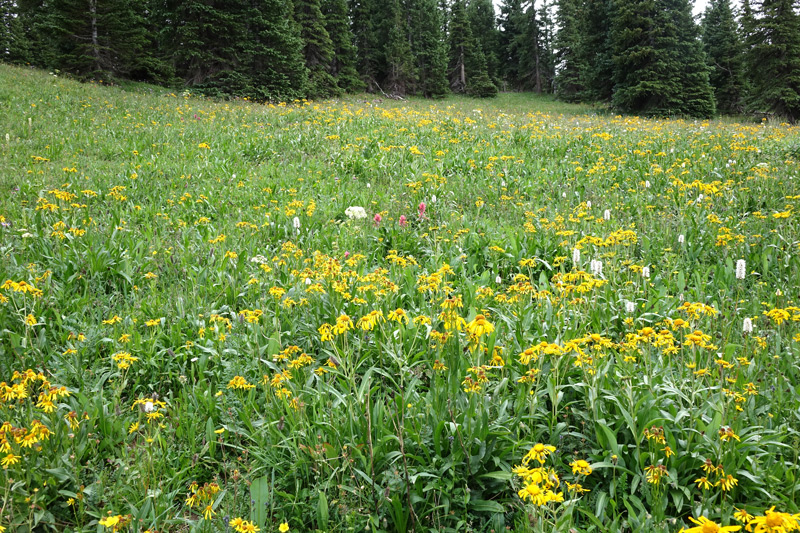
647	57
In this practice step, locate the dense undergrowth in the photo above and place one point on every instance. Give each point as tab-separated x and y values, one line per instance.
392	316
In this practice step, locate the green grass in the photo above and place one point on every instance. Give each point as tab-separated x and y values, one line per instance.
195	255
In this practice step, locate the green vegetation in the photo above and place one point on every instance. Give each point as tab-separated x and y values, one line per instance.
641	57
364	314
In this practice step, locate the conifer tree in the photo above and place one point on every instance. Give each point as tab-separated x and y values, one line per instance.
427	41
317	48
467	68
343	63
659	67
595	51
696	95
725	56
529	42
95	38
365	23
203	37
7	14
512	24
546	50
569	84
484	27
12	45
774	59
273	62
399	72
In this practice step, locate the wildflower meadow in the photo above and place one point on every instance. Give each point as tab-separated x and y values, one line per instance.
379	315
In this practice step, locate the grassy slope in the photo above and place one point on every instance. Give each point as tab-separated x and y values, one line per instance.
157	179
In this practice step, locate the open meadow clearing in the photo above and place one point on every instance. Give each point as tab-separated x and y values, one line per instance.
374	315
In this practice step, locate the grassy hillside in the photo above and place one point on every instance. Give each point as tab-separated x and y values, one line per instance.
391	316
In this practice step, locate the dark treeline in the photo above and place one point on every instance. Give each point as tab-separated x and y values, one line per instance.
639	56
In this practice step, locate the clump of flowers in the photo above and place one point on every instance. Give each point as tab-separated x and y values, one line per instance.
115	522
355	212
771	521
202	497
540	483
243	526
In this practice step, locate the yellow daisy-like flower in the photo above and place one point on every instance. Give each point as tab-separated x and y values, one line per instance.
742	516
480	326
728	482
538	453
30	320
208	512
240	383
9	459
774	522
581	467
284	527
703	483
704	525
398	315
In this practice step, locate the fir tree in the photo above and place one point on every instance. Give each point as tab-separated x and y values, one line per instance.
531	69
511	21
343	64
467	66
37	43
546	51
774	59
659	67
428	46
317	48
400	74
203	37
725	56
569	84
273	62
97	38
13	42
483	26
365	24
696	95
595	51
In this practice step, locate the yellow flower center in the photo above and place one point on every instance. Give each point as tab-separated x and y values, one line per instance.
773	520
710	527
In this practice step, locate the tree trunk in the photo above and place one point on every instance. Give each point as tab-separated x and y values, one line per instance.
463	73
95	45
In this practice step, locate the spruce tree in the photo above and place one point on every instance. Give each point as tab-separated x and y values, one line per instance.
12	44
484	27
774	59
531	69
317	48
725	55
204	37
467	66
272	56
696	95
659	67
343	63
569	84
428	46
546	50
596	57
98	38
399	72
37	41
365	23
512	24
